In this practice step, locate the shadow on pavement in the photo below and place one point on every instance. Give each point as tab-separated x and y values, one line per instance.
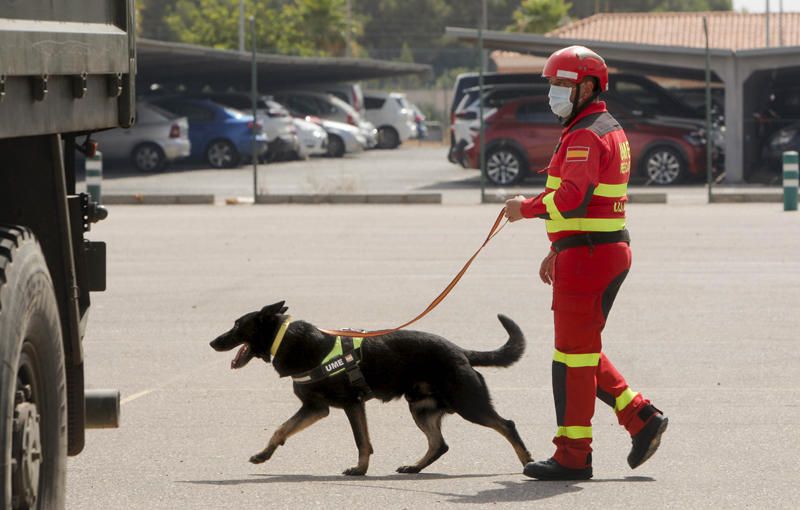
508	492
532	490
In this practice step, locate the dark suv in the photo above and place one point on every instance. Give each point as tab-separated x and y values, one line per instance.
521	136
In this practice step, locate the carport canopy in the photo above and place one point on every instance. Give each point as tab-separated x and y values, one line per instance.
172	65
733	68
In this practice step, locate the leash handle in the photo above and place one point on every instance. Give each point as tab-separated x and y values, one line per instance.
496	228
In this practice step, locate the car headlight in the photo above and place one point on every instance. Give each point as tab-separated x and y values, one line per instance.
696	137
782	138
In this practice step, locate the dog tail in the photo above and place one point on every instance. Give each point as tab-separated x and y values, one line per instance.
506	355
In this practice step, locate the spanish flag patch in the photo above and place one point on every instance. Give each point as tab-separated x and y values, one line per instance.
576	153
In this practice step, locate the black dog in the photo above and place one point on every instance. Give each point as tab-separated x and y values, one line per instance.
434	375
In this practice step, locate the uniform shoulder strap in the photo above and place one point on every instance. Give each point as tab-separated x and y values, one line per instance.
600	123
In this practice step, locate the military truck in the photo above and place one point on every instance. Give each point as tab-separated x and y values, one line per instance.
67	69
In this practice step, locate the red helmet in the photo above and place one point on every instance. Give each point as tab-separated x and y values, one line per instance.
574	63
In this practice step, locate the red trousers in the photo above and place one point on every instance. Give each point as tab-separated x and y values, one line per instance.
586	282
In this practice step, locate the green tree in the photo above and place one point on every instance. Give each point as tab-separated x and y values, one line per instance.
296	27
583	8
539	16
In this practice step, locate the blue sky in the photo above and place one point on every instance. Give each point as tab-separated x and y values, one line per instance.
760	5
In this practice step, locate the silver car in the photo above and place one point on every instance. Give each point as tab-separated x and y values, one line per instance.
313	138
157	138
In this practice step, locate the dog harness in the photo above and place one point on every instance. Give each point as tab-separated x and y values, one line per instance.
344	357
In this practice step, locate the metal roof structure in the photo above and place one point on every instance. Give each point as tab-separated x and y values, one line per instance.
173	64
735	69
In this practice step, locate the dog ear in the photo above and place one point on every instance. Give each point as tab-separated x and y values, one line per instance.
274	308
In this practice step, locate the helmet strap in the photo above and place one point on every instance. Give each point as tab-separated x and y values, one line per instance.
576	109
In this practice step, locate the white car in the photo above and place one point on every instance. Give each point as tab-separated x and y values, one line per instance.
350	93
370	133
318	104
313	138
342	138
157	138
393	116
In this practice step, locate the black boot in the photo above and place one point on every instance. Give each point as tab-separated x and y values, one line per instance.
647	441
551	470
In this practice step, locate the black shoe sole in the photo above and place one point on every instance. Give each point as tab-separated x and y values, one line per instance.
654	444
574	474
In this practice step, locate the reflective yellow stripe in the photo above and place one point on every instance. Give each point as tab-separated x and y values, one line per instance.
586	224
279	335
575	432
602	190
624	399
577	360
553	182
552	210
611	190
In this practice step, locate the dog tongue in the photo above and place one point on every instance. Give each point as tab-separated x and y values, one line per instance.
240	354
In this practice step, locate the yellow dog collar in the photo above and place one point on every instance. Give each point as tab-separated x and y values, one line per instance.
279	335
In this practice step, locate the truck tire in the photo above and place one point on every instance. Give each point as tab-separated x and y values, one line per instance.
33	397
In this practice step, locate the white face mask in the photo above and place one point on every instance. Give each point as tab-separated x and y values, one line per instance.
560	101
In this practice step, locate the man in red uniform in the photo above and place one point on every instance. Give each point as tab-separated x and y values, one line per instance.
583	206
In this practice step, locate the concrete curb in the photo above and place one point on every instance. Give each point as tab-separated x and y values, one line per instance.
633	198
158	199
752	198
353	198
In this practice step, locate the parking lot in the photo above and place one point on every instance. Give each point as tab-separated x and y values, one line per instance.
705	326
415	167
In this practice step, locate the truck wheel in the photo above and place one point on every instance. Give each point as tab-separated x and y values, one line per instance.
33	397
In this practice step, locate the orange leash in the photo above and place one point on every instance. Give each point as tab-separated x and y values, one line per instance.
496	228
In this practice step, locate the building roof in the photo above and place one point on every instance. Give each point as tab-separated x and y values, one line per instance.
170	63
726	30
515	62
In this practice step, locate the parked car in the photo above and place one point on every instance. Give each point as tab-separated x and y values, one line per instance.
466	121
350	93
275	119
370	133
393	116
219	135
318	104
786	139
465	81
157	138
342	138
313	137
521	136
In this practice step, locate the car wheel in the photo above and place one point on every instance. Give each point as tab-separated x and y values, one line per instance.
222	154
664	166
336	148
388	138
148	157
505	167
33	396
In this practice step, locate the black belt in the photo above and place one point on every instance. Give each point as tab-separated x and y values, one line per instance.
591	239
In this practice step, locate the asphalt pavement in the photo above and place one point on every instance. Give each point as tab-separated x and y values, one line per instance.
706	326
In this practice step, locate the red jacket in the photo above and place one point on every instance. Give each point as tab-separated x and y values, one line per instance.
587	179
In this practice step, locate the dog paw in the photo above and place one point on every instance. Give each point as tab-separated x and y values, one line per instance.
408	469
259	458
354	471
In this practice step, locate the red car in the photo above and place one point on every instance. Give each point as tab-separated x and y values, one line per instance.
521	136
